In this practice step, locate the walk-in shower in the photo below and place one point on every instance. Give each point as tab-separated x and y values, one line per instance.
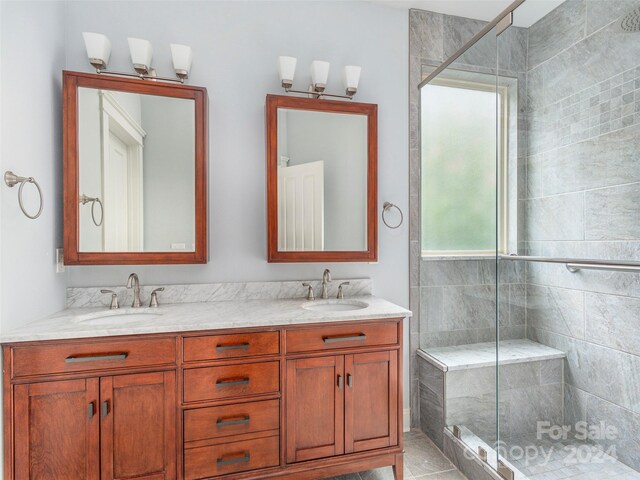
526	239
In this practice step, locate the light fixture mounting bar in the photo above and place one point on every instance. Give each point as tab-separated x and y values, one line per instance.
141	76
318	95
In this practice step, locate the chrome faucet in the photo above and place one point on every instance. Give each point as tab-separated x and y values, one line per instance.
134	282
114	299
340	292
326	278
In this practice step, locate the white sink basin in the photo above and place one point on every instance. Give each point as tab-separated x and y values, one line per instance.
335	305
115	317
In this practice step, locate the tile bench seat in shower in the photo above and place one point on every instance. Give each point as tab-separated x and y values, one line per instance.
458	387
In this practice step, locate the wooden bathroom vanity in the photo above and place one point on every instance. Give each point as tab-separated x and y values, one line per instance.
300	401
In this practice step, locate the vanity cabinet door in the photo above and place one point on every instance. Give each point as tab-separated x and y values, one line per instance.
138	434
314	408
371	401
57	430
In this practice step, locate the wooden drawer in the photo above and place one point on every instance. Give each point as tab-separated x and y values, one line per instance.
215	383
335	337
80	357
215	347
215	422
211	461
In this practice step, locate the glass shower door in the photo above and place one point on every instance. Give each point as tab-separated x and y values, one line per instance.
459	192
569	315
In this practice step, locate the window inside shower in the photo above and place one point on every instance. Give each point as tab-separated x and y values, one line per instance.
460	182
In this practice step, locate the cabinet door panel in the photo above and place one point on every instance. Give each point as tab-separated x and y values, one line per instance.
315	408
371	401
138	426
57	431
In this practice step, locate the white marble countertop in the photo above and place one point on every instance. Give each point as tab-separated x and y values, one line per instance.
190	317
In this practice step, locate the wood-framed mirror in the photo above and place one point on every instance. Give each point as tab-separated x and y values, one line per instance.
134	171
322	180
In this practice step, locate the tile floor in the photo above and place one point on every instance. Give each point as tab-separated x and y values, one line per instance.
567	460
422	461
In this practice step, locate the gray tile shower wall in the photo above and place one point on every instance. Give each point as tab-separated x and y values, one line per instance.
583	200
578	144
458	302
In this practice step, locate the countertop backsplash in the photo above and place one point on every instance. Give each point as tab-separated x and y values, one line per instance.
85	297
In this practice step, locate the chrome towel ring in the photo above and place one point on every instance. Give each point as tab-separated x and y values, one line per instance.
84	199
386	206
11	179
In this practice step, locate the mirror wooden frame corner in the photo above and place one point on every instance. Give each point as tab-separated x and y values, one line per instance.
273	103
71	81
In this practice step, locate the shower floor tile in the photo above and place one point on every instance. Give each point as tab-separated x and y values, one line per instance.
422	461
569	459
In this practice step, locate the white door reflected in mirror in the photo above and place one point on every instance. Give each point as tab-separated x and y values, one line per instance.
322	181
136	155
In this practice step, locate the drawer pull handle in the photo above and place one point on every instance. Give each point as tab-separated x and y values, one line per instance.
348	338
233	421
96	358
236	346
232	381
339	382
349	380
92	409
105	408
228	461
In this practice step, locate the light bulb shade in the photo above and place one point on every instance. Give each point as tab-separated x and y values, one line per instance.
182	56
319	74
141	54
98	48
351	77
287	70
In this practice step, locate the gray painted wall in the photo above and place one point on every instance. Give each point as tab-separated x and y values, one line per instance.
236	45
31	145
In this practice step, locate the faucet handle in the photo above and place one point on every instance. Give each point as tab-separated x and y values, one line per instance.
114	299
310	295
154	297
340	294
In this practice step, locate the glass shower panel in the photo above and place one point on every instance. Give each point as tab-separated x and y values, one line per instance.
459	192
568	282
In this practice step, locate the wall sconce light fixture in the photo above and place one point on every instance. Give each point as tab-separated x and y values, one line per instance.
319	77
182	56
99	49
141	53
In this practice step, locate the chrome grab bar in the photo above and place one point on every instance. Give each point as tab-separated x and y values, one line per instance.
576	264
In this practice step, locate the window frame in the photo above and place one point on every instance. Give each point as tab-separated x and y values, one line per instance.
502	152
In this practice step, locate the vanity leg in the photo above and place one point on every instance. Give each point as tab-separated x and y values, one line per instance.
398	468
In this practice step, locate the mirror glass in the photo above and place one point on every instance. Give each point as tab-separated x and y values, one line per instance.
322	181
136	172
